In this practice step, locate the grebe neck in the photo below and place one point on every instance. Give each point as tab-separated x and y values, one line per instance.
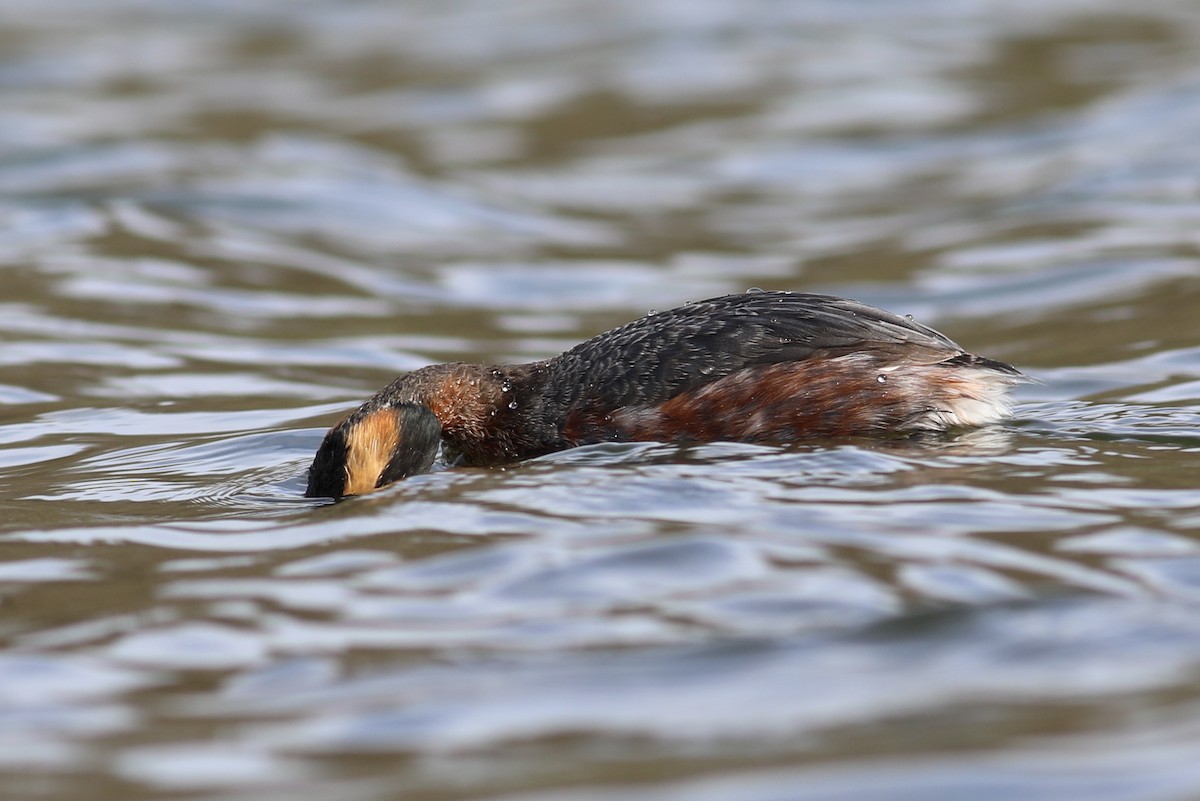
488	413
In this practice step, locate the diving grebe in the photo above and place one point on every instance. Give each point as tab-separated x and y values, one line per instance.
758	367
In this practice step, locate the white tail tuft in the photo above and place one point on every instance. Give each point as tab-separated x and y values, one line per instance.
971	396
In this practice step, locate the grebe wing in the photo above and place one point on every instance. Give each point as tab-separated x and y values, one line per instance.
658	356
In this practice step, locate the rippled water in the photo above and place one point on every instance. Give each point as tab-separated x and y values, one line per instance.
222	224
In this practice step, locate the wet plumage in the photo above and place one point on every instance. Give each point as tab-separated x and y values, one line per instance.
755	367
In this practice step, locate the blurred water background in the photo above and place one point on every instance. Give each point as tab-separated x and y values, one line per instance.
223	223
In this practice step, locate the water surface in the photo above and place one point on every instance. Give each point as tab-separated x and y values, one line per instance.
223	224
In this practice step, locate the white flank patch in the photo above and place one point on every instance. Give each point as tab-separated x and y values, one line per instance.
976	397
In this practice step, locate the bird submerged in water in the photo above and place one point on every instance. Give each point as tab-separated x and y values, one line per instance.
758	367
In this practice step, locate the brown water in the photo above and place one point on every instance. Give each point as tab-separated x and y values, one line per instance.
223	223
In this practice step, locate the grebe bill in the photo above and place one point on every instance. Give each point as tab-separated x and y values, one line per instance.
756	367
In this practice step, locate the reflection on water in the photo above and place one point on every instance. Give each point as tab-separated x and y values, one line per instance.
222	226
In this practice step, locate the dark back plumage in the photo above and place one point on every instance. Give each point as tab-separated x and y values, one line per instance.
658	356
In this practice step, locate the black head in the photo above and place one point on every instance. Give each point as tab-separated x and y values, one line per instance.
372	447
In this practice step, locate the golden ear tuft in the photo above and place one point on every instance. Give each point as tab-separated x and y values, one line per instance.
370	442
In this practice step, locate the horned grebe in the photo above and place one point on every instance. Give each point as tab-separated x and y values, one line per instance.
758	367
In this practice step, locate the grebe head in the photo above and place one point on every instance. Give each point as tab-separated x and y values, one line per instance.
374	446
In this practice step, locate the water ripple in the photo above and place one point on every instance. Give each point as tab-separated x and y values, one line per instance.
226	224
